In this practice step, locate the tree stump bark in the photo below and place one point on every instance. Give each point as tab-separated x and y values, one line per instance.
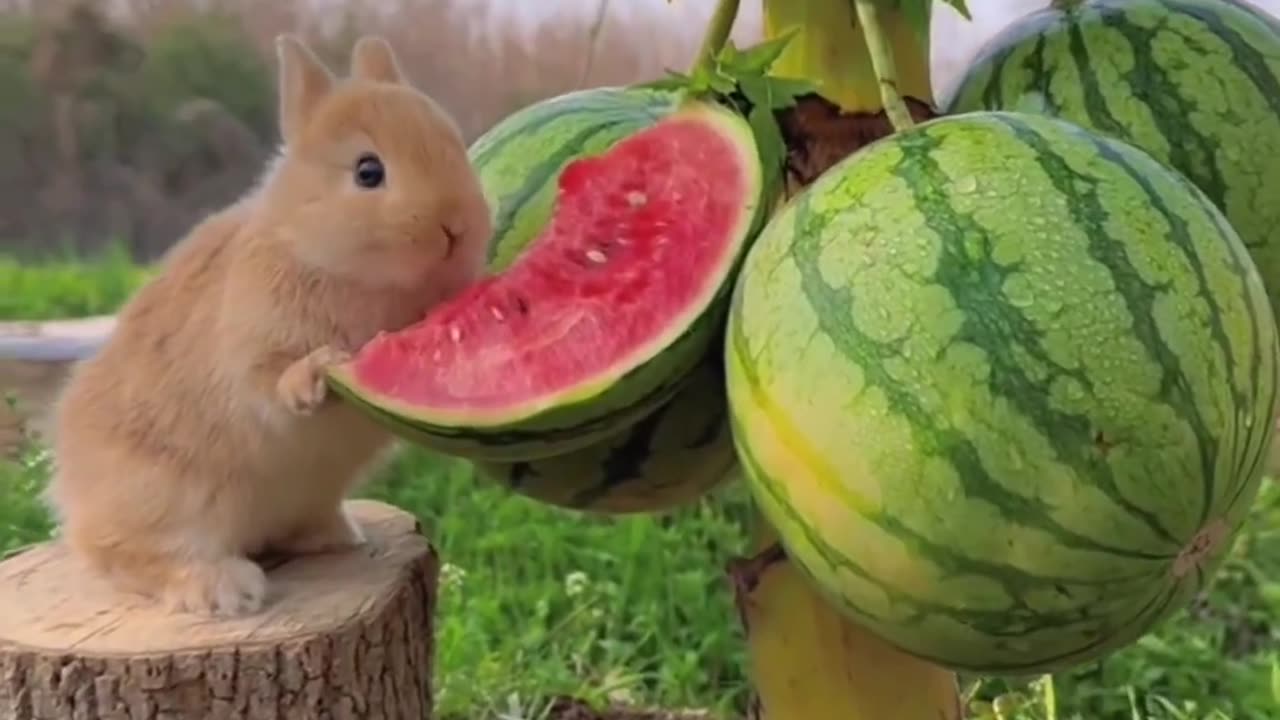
344	636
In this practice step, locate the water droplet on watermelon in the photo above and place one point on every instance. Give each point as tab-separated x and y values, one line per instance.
596	256
1016	460
974	248
1018	293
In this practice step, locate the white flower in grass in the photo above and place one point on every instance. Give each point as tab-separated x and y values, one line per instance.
451	576
575	583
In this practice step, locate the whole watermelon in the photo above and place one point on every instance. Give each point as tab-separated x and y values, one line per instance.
1195	83
1005	387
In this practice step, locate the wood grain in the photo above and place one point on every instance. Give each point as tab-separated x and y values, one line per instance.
345	635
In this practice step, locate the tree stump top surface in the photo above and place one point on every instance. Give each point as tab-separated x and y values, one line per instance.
49	602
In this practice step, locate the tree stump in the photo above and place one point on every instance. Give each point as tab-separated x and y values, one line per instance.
343	636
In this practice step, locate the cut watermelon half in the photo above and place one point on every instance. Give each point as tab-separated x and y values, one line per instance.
600	320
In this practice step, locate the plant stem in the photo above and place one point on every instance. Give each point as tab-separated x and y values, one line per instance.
718	29
883	64
1050	697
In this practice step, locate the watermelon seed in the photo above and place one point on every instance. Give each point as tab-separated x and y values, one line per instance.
522	306
636	198
596	256
576	259
497	314
455	333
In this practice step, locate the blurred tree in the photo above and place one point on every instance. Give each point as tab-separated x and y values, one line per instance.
119	134
209	56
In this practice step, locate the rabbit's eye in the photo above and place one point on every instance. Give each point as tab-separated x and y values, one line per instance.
369	171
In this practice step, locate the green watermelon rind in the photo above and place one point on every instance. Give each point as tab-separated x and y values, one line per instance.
531	441
1195	84
598	407
925	564
670	458
519	158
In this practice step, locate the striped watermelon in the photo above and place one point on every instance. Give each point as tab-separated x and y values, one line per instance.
682	450
1005	387
1195	83
600	320
519	159
668	459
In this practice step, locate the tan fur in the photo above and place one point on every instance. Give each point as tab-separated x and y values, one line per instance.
201	434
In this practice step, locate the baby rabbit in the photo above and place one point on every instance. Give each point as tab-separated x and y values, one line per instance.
200	435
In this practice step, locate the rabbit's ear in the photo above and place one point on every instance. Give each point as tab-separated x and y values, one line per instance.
304	81
373	59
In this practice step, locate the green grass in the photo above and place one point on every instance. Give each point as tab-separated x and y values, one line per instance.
538	602
61	286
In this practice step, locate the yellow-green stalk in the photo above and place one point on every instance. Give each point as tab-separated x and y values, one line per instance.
830	50
809	662
718	30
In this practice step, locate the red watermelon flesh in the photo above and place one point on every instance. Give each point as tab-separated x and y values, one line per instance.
641	239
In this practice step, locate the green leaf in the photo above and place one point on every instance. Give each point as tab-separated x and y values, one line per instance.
720	82
960	7
918	12
757	58
772	147
673	80
745	72
767	95
784	91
